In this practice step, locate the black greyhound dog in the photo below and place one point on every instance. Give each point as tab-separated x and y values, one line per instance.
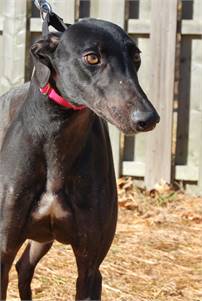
56	168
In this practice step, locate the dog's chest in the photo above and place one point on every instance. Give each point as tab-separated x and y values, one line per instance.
51	219
50	205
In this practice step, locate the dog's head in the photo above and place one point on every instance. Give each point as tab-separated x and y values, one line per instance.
95	63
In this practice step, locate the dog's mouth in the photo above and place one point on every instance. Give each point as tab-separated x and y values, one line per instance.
152	127
122	120
118	119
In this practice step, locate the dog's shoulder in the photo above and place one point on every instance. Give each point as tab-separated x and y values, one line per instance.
10	104
12	100
15	94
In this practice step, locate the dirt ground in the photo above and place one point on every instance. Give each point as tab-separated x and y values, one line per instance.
156	253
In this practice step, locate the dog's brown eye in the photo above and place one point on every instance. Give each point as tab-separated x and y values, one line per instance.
91	59
137	57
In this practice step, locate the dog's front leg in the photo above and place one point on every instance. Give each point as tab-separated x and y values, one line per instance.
26	265
14	214
6	262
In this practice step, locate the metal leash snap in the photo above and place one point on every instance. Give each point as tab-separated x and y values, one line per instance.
44	7
49	18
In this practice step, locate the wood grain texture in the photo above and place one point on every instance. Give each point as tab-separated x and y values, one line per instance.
163	42
139	27
189	132
109	10
1	42
186	173
144	76
196	95
143	27
65	9
190	27
136	169
13	44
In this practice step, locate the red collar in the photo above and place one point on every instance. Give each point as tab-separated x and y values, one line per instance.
52	94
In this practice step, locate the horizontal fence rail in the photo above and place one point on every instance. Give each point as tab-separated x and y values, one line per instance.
171	75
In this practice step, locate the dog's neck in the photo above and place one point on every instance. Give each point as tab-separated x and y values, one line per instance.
61	133
47	118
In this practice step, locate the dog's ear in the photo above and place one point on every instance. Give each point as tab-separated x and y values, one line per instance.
42	53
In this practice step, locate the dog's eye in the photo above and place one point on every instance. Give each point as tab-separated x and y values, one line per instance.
137	57
92	59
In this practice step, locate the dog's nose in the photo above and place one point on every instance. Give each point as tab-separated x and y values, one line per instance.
144	121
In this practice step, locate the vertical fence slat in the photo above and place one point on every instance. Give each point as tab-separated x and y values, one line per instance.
200	162
65	9
1	42
183	103
196	91
14	34
189	153
144	76
163	44
181	157
112	11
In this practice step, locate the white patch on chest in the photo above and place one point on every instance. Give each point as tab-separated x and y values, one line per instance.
49	205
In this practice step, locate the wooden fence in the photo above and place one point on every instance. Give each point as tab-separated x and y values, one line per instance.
169	34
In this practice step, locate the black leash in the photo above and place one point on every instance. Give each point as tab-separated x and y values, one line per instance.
49	18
